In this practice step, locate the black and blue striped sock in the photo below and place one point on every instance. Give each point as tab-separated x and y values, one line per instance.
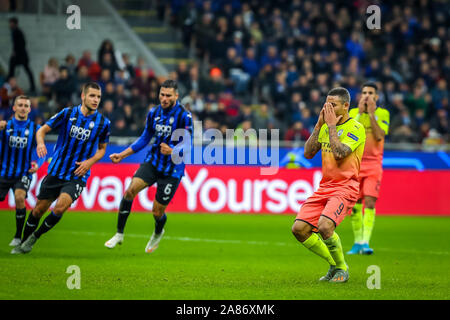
21	214
49	222
159	223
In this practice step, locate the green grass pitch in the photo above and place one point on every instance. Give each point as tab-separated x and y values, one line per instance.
220	256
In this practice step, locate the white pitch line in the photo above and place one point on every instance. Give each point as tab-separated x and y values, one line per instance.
225	241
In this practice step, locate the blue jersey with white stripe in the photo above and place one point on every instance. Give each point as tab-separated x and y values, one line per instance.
17	141
78	140
160	125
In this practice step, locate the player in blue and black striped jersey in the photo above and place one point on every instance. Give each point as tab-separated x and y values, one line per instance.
82	139
160	165
17	159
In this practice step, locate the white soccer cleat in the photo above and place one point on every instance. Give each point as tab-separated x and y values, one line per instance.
115	240
153	243
15	242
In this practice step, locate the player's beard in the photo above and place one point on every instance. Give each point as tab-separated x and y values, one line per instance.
90	109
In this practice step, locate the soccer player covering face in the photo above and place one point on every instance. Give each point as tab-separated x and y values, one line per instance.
18	144
82	139
376	122
159	165
341	140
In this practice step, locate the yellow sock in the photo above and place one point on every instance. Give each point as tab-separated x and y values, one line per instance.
335	248
369	221
316	245
357	222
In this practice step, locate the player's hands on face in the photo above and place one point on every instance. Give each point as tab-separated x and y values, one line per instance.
329	115
362	105
371	105
116	157
165	149
321	120
41	150
34	167
83	167
3	124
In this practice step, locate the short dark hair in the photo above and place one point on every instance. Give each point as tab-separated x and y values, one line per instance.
169	83
92	85
14	20
341	92
371	85
21	97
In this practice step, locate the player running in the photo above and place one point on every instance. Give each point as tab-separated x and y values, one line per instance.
376	122
341	139
18	144
82	139
158	165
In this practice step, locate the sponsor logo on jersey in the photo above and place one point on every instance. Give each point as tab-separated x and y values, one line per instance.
18	142
80	133
351	135
162	130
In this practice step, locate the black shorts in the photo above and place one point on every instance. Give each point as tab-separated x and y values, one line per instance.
19	183
52	187
165	185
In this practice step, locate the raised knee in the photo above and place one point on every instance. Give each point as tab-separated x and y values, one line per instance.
326	229
129	194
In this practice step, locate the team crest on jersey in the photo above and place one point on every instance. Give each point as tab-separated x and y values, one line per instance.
171	120
91	125
340	132
26	133
80	133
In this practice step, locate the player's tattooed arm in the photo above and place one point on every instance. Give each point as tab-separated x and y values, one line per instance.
312	146
340	150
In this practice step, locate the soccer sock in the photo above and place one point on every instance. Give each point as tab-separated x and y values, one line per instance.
335	247
357	222
159	223
50	221
21	214
30	226
369	221
124	212
316	245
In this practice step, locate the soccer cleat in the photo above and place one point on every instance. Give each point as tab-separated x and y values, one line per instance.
340	276
28	244
329	274
356	249
153	243
115	240
17	250
15	242
365	249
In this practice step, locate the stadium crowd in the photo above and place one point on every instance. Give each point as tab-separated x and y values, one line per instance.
270	64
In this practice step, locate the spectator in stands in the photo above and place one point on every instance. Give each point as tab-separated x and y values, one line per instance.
82	77
19	55
49	76
297	133
129	68
403	128
108	110
8	93
109	63
63	89
106	47
70	64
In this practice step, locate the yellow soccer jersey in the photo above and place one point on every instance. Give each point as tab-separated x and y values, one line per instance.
373	151
341	177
